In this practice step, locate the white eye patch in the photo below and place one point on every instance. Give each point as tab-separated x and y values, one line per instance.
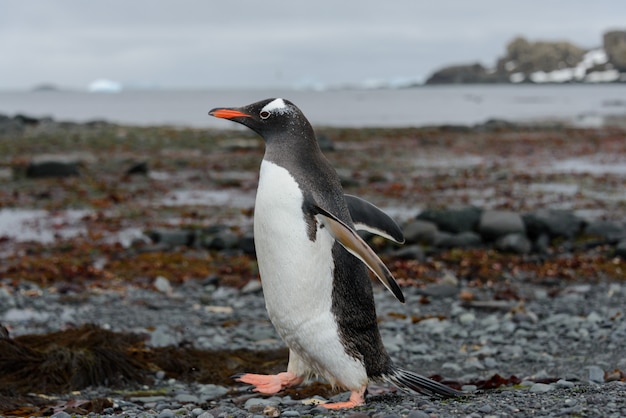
277	106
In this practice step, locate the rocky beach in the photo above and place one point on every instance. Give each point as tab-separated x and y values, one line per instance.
129	287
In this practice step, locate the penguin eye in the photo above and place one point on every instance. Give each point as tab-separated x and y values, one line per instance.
264	114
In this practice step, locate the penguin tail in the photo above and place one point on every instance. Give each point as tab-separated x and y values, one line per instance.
405	379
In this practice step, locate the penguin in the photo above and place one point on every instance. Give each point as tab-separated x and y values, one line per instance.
313	263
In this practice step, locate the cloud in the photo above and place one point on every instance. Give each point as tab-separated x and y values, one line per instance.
250	43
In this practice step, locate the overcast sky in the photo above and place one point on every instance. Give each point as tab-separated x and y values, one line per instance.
271	43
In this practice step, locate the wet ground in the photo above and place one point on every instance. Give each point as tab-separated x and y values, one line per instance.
79	236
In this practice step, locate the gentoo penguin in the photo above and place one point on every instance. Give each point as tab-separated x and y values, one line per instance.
313	264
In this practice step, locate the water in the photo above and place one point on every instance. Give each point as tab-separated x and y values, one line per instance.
585	105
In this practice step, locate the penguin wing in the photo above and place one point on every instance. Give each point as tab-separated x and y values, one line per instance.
355	245
368	217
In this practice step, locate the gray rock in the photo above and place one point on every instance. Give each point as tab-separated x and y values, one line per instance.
197	412
210	391
608	230
513	243
252	402
61	414
252	286
497	223
554	222
453	220
420	232
466	239
162	337
222	239
166	413
411	252
184	398
562	383
596	374
541	388
162	284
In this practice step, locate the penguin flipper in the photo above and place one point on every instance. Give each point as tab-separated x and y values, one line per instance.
368	217
355	245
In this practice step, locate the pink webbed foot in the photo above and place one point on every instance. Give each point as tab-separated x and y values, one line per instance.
270	384
357	398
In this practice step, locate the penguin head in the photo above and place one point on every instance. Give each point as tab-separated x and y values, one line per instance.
270	118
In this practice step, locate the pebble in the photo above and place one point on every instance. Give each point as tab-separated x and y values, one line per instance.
596	374
457	342
562	383
166	413
540	388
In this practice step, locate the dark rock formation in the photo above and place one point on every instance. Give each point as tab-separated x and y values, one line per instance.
615	48
464	74
52	169
453	220
544	61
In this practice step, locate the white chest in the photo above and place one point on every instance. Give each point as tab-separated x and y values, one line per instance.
296	272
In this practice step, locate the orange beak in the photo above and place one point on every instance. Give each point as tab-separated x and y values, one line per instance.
227	113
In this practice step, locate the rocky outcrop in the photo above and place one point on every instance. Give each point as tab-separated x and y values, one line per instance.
527	57
615	48
545	62
464	74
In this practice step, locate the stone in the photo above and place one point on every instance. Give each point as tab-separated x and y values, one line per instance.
184	398
513	243
166	413
553	222
454	220
497	223
173	238
162	284
565	384
466	239
608	230
541	388
221	239
411	252
140	168
420	232
52	169
620	249
596	374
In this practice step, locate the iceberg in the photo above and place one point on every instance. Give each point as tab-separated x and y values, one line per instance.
104	86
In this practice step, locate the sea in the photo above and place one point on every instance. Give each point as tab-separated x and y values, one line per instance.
588	105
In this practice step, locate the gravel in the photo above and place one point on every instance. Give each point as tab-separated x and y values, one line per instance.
561	347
